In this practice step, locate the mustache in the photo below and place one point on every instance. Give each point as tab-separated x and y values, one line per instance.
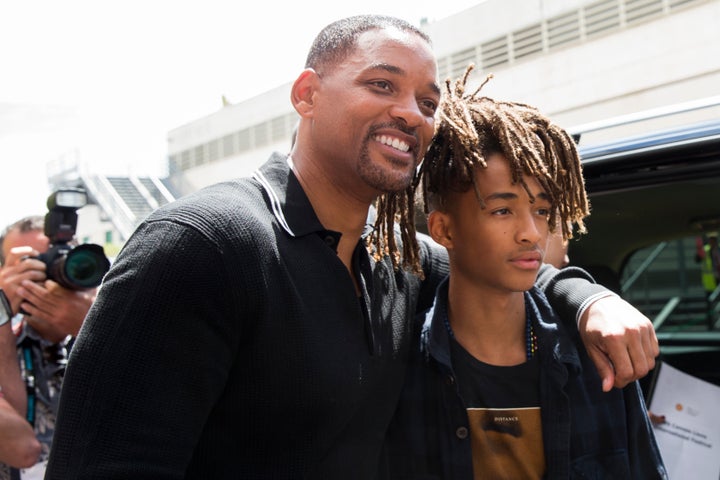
395	126
533	249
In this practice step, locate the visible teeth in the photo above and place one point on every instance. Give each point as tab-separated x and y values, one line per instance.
393	142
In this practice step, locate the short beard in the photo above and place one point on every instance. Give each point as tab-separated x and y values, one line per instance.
376	177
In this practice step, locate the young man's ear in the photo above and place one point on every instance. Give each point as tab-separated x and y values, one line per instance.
439	228
302	94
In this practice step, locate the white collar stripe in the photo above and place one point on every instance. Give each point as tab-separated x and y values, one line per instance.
274	201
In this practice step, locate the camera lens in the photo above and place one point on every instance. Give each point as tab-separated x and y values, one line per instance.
85	266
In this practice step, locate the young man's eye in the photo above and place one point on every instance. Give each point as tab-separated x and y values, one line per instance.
501	211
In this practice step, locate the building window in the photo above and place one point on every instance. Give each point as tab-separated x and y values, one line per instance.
640	10
200	155
229	147
601	17
278	128
213	150
243	138
527	42
461	60
260	132
495	52
563	29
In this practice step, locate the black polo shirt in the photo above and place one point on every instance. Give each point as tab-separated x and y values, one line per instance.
228	341
344	356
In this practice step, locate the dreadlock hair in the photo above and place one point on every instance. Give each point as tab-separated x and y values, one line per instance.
470	128
332	45
390	207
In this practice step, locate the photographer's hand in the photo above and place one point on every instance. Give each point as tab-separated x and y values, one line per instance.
53	311
19	268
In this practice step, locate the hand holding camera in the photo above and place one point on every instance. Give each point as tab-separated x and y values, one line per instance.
20	265
54	311
47	277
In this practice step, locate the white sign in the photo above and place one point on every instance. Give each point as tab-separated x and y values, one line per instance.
689	440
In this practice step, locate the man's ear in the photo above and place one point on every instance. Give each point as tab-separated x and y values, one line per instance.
439	224
302	94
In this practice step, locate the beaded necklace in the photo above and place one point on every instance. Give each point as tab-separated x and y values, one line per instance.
531	345
530	339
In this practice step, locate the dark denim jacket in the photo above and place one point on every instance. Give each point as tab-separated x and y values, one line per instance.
587	434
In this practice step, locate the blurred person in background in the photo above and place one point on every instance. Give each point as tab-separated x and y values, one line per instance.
556	253
47	317
707	254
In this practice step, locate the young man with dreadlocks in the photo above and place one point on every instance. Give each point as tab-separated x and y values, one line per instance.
500	388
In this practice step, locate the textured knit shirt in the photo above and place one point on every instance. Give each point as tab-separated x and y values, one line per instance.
228	341
586	433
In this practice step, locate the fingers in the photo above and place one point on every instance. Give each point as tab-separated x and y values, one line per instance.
35	294
656	419
631	354
632	358
16	254
651	345
604	367
16	270
620	340
55	311
46	327
43	316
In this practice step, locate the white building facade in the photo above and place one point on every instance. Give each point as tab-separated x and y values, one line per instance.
580	62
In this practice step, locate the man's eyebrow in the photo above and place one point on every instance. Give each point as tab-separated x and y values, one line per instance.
387	67
513	196
395	70
501	196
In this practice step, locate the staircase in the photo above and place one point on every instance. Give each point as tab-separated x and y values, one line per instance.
127	200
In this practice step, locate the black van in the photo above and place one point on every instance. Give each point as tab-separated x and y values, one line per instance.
655	200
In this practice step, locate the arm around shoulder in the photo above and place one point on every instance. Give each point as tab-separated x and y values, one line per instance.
620	340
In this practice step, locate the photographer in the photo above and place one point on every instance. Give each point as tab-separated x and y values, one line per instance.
47	317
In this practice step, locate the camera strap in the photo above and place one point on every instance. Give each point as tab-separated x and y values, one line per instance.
29	377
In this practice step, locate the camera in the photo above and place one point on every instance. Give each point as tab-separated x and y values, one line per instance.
74	267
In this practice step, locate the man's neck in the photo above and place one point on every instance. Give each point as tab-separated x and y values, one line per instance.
335	207
489	324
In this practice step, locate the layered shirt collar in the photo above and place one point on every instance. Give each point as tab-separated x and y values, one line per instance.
289	203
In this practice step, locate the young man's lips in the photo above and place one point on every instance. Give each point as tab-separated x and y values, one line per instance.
528	261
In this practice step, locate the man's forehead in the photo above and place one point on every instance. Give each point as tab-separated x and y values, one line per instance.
373	45
15	238
392	37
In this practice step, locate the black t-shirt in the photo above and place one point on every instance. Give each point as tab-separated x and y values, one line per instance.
503	407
